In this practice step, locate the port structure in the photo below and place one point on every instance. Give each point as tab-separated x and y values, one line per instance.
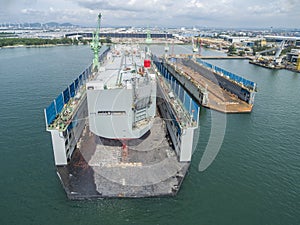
275	61
213	87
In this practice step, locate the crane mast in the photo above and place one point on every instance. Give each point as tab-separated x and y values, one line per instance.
95	45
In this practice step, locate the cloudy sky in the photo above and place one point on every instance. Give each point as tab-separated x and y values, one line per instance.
162	13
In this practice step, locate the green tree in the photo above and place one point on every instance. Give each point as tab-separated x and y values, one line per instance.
231	50
241	53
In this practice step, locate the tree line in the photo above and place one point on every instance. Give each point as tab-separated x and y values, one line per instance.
35	41
42	41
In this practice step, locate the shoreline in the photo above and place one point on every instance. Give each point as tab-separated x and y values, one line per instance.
54	45
33	46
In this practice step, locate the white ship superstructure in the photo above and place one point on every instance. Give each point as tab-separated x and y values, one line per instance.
122	96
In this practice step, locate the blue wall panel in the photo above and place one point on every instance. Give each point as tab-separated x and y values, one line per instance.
174	85
66	95
165	72
80	80
76	84
176	124
59	102
181	94
194	110
87	73
72	90
50	113
177	89
169	77
187	101
84	76
173	60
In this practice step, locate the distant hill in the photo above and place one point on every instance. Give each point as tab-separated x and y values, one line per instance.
54	24
39	25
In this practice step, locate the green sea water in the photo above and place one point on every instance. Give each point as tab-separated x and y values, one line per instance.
255	178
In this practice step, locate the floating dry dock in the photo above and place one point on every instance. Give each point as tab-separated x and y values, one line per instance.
120	129
213	87
95	120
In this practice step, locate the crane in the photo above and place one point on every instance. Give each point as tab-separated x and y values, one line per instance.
95	45
195	47
278	49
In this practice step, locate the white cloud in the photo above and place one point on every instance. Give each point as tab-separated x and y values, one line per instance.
229	13
194	3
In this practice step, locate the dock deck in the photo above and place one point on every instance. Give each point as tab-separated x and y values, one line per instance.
218	98
99	168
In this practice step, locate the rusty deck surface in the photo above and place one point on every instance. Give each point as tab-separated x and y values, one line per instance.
99	168
218	98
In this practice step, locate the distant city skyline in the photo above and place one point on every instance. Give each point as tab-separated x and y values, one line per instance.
161	13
